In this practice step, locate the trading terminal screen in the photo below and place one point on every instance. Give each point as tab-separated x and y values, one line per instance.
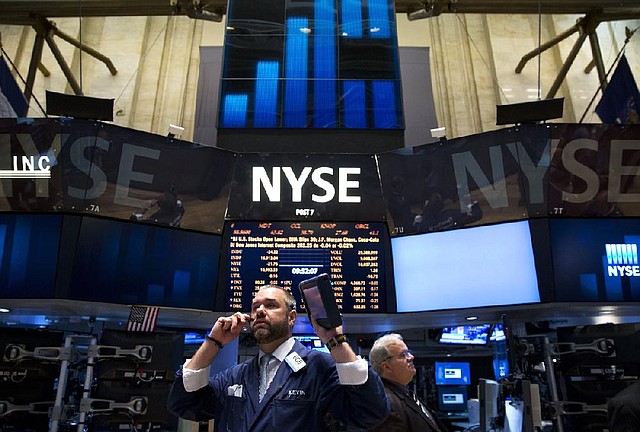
354	255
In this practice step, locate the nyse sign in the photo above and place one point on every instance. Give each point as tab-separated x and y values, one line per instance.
563	174
321	177
306	187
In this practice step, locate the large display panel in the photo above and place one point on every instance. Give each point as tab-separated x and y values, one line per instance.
596	259
28	255
355	255
475	267
131	263
314	64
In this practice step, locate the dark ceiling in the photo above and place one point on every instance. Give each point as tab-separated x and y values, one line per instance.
21	12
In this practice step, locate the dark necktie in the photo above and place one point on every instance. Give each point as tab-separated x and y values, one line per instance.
433	424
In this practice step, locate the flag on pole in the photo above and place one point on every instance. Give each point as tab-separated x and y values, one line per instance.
620	102
143	319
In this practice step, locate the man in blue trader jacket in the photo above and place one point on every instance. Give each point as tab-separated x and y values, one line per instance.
303	390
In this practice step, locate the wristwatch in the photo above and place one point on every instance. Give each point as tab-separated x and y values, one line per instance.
335	341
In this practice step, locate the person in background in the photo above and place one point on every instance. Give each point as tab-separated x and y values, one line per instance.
393	361
623	410
286	387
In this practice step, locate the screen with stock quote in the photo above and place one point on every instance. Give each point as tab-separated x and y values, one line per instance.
354	255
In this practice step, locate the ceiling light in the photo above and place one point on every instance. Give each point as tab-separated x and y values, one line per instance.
4	310
471	318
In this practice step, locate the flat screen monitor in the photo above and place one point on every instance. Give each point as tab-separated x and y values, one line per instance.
466	335
29	255
452	399
354	255
133	263
475	267
596	259
453	373
312	342
195	338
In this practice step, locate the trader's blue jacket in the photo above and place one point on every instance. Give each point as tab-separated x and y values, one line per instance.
311	399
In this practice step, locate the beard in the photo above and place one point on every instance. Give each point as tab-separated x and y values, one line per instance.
274	331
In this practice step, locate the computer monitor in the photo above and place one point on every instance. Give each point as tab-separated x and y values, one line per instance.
480	266
311	342
452	373
452	399
466	335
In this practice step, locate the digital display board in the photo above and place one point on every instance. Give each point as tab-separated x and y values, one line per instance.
596	259
477	266
286	253
133	263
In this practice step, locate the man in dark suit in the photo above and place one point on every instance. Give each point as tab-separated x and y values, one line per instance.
286	387
393	361
624	410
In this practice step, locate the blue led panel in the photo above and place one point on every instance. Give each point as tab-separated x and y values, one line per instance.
379	26
354	104
351	18
324	66
235	111
296	59
266	94
384	105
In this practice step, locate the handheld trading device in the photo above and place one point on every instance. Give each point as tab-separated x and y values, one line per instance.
320	301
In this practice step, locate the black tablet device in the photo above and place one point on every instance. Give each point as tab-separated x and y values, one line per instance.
320	301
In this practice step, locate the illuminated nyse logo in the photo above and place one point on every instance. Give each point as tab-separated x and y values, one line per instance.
622	260
321	177
31	167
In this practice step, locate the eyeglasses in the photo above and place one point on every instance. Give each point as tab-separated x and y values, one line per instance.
404	355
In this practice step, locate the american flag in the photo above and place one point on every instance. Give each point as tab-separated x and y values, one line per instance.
143	319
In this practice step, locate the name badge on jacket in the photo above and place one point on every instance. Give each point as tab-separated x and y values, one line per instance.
235	390
295	362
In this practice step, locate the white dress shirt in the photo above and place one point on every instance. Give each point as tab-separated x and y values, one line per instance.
351	373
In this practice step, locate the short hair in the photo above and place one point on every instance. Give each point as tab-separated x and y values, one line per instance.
289	299
379	351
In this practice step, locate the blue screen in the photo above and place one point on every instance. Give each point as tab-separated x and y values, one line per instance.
131	263
195	338
596	260
475	267
453	373
471	335
28	255
311	342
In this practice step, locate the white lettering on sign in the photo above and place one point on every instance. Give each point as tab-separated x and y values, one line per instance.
320	177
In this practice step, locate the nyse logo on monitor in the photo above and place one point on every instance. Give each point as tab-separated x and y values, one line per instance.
622	259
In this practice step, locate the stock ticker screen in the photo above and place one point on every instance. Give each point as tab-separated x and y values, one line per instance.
354	255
